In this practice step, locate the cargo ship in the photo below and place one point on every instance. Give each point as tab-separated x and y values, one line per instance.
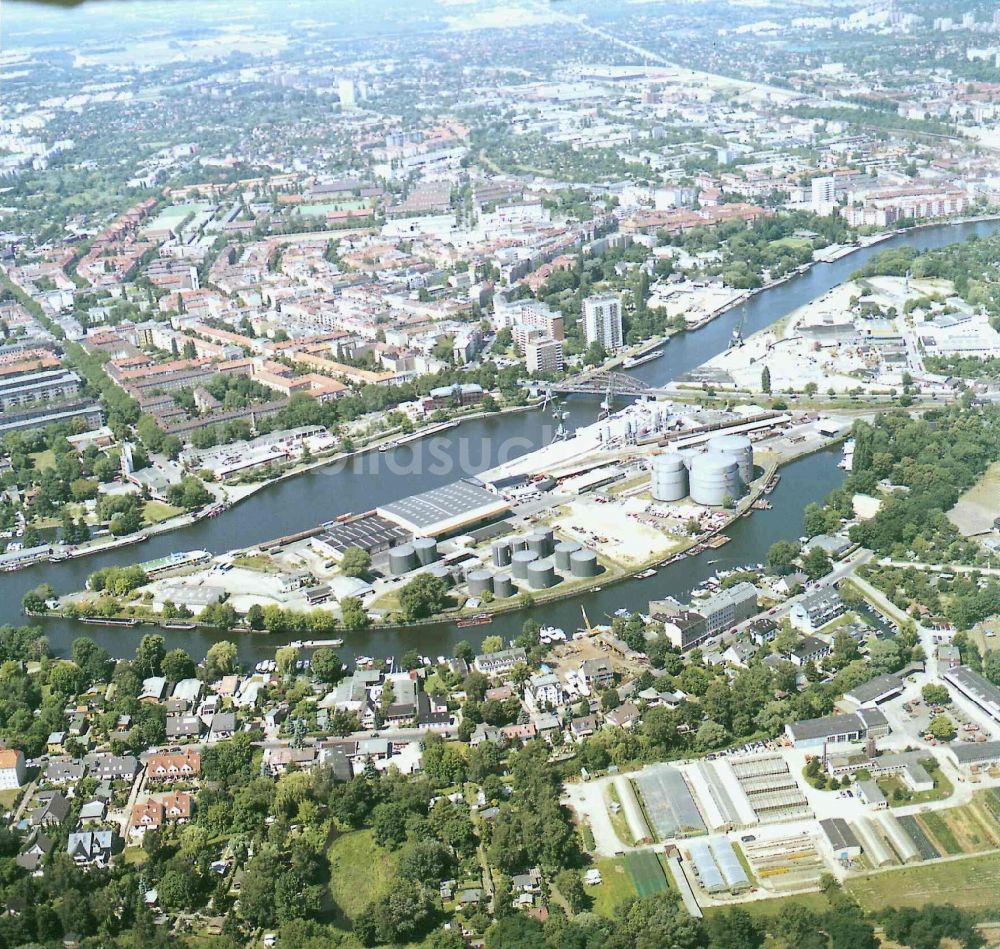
480	619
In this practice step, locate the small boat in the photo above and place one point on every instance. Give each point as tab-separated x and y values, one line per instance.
364	661
179	626
646	574
712	561
631	363
480	619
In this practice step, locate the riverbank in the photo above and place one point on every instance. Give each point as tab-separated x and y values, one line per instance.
297	504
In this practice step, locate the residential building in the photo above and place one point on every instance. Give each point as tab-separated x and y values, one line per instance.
12	768
602	321
810	649
178	766
499	663
815	609
543	355
91	847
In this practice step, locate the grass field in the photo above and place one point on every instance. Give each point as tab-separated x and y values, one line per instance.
43	459
351	891
942	789
793	243
940	834
646	872
616	886
8	798
976	509
768	909
973	883
156	511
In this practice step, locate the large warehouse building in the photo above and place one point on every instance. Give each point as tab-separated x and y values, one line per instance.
445	510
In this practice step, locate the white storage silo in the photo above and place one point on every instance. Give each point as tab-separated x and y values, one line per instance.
714	478
740	448
669	481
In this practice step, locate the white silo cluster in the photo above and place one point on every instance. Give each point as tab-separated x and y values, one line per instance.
723	471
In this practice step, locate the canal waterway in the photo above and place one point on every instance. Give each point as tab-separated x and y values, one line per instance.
368	480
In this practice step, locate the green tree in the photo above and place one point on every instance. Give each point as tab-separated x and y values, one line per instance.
765	380
355	562
353	614
220	660
423	596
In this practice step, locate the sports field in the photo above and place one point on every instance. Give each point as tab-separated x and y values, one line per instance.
646	872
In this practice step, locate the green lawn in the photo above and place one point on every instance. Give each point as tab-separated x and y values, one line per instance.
615	888
360	871
8	798
793	243
43	459
973	883
768	909
942	789
156	511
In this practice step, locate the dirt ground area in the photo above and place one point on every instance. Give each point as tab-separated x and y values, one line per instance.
610	530
976	509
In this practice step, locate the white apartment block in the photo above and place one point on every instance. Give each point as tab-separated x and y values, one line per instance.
543	355
602	321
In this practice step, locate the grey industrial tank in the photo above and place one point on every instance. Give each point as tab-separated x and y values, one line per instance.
669	481
541	574
519	543
503	586
714	478
501	553
480	582
426	549
442	572
564	550
519	563
740	449
584	563
402	559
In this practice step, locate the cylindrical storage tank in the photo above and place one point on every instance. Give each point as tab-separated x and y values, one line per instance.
480	582
541	574
426	549
584	563
669	481
549	536
519	563
564	550
501	553
442	572
713	479
503	586
402	559
538	545
740	448
519	543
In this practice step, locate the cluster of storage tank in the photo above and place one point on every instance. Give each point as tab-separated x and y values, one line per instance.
421	552
724	470
534	558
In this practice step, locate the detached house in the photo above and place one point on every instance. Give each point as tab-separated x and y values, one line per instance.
91	847
12	768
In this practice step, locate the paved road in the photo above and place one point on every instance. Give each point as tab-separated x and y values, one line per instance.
940	567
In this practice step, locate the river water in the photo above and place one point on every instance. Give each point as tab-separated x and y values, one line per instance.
369	480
